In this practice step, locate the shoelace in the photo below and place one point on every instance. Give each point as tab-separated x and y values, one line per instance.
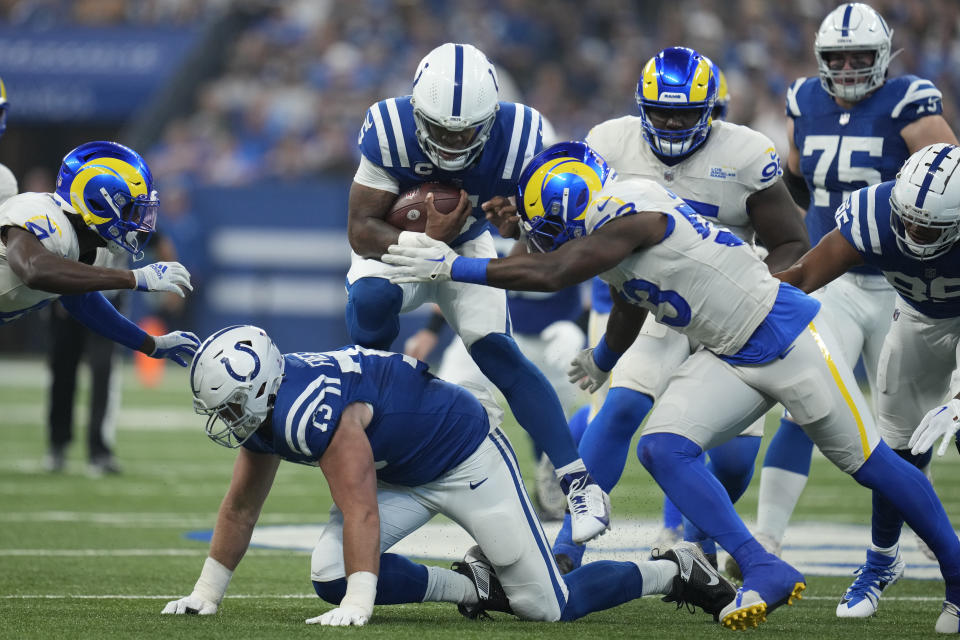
869	577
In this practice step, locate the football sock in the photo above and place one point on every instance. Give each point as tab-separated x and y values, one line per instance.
564	543
373	312
578	423
906	488
606	442
533	401
672	518
401	581
446	585
887	521
674	463
601	585
783	478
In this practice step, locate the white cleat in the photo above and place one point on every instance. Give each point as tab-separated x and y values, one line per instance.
873	577
949	620
589	506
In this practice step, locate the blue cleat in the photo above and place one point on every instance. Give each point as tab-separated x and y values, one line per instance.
769	583
873	577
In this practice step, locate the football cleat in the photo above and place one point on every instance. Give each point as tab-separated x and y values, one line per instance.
589	506
873	578
771	583
949	620
768	543
492	597
697	584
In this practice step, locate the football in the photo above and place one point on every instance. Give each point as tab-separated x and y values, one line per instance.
409	211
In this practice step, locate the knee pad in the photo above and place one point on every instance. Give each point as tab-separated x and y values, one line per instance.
920	460
659	450
373	312
332	591
627	409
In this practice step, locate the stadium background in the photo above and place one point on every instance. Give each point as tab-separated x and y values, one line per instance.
248	112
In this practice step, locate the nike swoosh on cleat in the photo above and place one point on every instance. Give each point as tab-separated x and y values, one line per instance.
709	570
474	485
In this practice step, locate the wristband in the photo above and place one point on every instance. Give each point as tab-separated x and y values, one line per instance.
472	270
603	356
213	581
361	591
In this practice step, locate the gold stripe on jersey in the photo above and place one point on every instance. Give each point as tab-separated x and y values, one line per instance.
864	442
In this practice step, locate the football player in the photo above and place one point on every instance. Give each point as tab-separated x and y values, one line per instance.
763	341
907	229
8	183
849	128
452	129
397	446
729	174
48	242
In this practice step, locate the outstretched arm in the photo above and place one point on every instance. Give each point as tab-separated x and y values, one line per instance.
349	468
832	257
253	475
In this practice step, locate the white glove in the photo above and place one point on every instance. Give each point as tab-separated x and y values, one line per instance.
163	276
584	370
564	339
192	604
342	616
419	258
178	346
942	421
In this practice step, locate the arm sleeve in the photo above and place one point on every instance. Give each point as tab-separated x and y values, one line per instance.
96	313
376	177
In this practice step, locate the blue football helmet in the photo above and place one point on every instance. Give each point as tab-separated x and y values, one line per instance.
110	186
554	191
3	107
678	88
722	105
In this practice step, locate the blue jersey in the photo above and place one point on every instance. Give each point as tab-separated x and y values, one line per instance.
844	150
931	286
600	299
421	428
388	139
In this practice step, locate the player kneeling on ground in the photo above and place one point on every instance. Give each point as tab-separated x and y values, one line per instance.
398	446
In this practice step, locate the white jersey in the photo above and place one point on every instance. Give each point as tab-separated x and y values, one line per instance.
734	163
8	184
700	279
40	214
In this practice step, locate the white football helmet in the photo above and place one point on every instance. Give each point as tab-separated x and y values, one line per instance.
234	377
455	101
853	27
925	202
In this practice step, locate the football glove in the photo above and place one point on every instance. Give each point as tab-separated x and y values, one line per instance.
178	346
163	276
419	258
942	421
585	372
192	604
342	616
562	341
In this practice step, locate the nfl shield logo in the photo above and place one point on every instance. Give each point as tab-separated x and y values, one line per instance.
930	272
844	119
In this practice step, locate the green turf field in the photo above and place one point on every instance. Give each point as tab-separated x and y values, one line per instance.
84	557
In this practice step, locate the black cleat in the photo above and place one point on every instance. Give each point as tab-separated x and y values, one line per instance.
477	567
698	583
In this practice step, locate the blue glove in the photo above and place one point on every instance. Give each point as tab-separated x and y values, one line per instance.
178	346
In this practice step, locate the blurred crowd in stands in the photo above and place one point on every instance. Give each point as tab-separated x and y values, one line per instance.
297	82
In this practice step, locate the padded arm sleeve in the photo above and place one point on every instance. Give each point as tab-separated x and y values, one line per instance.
96	313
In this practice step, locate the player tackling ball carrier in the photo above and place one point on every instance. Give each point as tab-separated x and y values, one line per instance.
763	342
